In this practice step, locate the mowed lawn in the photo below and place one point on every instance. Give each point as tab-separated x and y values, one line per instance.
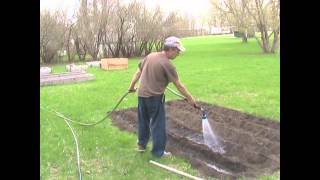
215	69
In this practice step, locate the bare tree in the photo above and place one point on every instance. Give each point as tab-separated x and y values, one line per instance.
108	28
171	23
154	31
266	15
115	29
52	32
184	23
133	30
275	24
89	29
68	42
263	14
106	16
121	28
79	44
237	15
141	29
218	17
78	34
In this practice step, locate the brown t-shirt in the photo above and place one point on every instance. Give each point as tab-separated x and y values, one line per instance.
156	73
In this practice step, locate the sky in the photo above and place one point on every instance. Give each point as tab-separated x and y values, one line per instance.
66	5
58	4
195	8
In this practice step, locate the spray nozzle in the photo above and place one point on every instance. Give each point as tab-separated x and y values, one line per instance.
204	114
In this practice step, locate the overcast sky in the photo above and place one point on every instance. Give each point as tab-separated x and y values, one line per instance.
195	8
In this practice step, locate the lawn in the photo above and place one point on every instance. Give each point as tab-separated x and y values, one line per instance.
216	69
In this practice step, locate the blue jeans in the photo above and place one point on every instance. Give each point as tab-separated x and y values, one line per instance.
151	117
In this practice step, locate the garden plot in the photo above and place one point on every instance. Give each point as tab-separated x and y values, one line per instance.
64	78
251	144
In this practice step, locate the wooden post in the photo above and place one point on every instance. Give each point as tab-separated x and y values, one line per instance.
175	171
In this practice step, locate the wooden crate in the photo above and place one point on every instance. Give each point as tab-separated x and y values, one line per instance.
114	63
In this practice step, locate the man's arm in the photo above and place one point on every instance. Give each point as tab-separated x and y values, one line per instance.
134	80
185	92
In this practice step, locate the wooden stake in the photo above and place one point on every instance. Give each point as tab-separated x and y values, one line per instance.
175	171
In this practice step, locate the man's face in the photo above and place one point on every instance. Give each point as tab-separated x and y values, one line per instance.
174	52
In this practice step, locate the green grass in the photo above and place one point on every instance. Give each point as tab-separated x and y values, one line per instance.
216	69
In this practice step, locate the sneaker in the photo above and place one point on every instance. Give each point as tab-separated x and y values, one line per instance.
141	148
166	154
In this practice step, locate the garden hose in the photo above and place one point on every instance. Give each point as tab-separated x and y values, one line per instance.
82	124
78	153
92	124
109	113
75	140
174	92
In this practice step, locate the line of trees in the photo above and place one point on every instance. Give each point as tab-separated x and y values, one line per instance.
247	16
106	28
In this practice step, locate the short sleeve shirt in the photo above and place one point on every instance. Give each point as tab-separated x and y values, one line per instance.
156	73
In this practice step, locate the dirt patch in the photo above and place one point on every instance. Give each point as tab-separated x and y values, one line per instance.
252	144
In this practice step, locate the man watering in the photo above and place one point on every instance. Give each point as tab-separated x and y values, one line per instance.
155	72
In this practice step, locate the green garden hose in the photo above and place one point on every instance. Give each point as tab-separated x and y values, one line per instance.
92	124
82	124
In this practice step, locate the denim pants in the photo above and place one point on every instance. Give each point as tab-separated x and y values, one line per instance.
151	119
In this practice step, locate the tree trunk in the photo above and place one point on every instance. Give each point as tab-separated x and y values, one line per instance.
275	41
265	39
245	36
113	54
76	43
80	54
68	46
94	56
104	45
105	51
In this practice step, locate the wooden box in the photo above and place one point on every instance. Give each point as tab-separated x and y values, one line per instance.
114	63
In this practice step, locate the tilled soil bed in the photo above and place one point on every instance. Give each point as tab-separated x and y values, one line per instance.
251	144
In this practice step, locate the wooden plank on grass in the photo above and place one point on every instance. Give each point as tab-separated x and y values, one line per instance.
114	63
65	78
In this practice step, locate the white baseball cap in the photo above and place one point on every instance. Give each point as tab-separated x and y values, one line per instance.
173	41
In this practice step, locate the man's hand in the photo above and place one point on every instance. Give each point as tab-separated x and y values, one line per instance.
131	90
196	106
193	103
134	80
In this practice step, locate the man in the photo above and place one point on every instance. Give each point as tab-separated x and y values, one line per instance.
155	72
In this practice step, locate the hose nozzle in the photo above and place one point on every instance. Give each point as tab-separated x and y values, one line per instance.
204	115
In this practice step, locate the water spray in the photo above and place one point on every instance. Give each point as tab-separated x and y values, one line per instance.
209	137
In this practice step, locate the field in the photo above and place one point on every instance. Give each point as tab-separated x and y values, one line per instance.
219	70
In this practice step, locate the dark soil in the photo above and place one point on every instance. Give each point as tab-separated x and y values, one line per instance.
251	144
